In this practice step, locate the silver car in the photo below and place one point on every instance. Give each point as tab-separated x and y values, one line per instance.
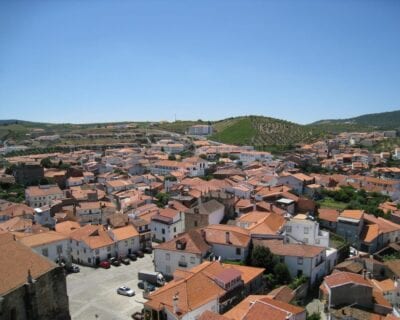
125	291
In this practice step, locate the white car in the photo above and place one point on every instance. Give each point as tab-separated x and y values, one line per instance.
125	291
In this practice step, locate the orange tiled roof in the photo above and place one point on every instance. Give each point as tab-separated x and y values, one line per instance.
15	262
216	233
39	239
342	278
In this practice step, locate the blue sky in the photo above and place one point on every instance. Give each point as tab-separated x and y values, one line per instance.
96	60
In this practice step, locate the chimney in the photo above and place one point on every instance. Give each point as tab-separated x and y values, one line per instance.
175	300
364	273
227	237
203	234
29	279
254	205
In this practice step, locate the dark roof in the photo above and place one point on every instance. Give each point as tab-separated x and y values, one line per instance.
207	207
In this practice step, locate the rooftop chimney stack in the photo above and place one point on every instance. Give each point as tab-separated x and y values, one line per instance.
227	237
175	300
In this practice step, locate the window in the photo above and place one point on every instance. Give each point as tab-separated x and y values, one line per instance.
45	252
89	260
192	260
299	260
108	249
299	273
59	249
84	250
174	229
97	251
167	256
195	223
163	231
288	228
168	269
238	251
306	230
281	259
126	243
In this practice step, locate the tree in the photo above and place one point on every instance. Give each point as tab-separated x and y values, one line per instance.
262	257
10	169
313	316
171	157
46	163
282	274
162	199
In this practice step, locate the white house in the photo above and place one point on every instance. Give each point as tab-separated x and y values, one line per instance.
167	224
92	244
297	182
53	245
301	259
119	185
39	196
301	229
251	156
43	217
74	181
227	241
185	252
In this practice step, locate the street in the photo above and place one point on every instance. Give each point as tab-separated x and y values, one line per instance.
92	292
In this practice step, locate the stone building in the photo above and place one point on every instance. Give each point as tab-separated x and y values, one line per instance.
31	286
28	173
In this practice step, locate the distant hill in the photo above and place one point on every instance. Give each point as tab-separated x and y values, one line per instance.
271	134
377	121
265	133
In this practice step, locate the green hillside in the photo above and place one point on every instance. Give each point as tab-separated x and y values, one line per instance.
263	132
373	121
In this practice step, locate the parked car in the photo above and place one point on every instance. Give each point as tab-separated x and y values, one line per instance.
132	256
115	262
105	264
148	250
73	269
139	254
125	291
138	316
125	261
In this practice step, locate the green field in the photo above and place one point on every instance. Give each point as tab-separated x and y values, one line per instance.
332	204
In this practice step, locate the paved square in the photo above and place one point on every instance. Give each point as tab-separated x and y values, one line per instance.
93	292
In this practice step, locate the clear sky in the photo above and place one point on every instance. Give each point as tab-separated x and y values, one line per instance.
96	60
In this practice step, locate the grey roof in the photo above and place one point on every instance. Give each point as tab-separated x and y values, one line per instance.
207	207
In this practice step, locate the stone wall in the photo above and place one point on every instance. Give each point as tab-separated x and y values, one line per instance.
45	299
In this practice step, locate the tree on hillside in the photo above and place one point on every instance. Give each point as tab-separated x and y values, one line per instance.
46	163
